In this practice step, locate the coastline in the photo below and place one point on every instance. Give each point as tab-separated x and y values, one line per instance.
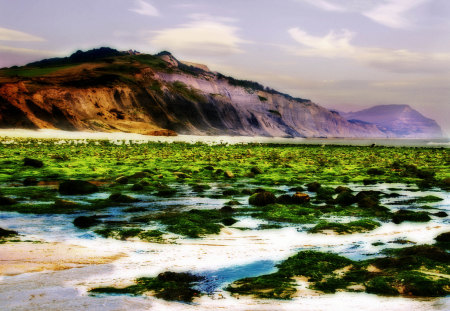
215	140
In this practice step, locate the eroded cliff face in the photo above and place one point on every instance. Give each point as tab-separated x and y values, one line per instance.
159	102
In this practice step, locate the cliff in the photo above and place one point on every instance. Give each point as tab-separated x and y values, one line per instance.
148	94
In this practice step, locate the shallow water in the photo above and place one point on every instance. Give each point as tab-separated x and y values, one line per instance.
234	253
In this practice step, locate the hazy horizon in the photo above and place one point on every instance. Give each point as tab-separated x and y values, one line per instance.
344	55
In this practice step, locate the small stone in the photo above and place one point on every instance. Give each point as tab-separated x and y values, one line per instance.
122	180
228	174
300	198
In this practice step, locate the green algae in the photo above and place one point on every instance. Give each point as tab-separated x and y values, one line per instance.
167	285
363	225
418	271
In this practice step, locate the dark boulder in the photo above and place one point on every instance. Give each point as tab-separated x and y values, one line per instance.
443	237
4	233
256	170
33	162
262	198
313	186
229	221
75	187
227	209
345	198
340	189
375	171
122	180
84	222
30	181
284	199
300	198
6	201
122	198
405	215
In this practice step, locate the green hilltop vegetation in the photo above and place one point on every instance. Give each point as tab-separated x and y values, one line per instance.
112	66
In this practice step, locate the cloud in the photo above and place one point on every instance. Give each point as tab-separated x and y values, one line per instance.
15	35
10	49
144	8
326	5
390	13
202	36
337	44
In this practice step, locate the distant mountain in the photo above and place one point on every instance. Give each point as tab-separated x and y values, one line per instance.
108	90
399	120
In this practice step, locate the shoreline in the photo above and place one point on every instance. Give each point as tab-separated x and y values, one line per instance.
215	140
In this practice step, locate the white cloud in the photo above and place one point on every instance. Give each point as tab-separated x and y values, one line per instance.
390	13
15	35
10	49
326	5
337	44
201	36
144	8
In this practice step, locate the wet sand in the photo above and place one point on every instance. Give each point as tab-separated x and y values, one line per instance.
24	257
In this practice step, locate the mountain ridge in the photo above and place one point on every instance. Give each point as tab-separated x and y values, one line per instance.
402	120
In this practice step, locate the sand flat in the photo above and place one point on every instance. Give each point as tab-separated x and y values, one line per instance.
24	257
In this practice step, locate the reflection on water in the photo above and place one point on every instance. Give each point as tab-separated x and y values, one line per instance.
216	279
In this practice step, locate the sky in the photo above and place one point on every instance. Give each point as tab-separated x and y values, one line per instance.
345	55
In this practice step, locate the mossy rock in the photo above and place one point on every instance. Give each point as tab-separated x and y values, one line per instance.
4	201
375	171
123	180
405	215
84	222
381	286
443	237
262	198
345	198
300	198
77	187
5	233
30	181
170	286
122	198
313	186
256	170
33	163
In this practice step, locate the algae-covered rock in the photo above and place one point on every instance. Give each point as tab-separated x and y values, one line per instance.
405	215
74	187
122	180
33	163
228	174
300	198
345	198
340	189
262	198
256	170
84	222
5	233
375	171
30	181
284	199
122	198
313	186
6	201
